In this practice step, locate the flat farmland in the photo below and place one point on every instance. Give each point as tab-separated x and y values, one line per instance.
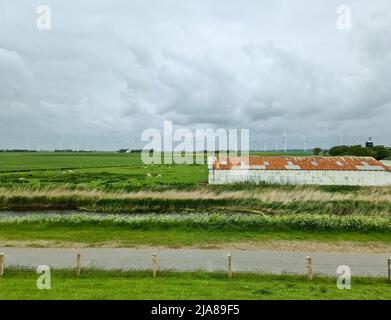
24	161
93	170
97	170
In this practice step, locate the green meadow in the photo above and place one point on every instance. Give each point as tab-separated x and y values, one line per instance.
93	284
93	170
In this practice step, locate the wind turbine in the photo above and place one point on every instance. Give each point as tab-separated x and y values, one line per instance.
276	143
284	140
304	144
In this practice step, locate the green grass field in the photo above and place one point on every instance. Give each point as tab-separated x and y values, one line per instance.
25	161
19	284
93	170
108	171
20	161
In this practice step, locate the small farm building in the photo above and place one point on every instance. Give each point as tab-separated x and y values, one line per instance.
353	171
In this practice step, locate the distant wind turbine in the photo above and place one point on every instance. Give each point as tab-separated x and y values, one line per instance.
284	140
304	144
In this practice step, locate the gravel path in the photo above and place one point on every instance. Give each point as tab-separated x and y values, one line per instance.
276	262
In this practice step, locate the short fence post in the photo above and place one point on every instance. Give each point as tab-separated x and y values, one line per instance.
229	266
389	269
154	264
2	264
78	266
310	274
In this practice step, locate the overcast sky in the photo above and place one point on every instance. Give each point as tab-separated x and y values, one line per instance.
106	70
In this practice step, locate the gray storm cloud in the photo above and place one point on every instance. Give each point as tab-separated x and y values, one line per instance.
108	70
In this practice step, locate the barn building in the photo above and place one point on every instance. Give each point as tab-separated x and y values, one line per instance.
353	171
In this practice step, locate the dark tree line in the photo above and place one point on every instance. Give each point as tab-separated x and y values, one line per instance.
377	152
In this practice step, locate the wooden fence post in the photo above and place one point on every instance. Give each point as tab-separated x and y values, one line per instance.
2	264
154	264
310	274
78	265
229	266
389	269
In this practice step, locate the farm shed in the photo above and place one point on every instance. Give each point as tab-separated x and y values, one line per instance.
354	171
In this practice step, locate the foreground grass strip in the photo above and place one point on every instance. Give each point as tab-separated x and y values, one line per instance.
49	236
94	284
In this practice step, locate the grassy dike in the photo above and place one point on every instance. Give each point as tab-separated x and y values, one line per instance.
95	284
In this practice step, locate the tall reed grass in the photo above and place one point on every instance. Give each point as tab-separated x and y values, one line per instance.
295	200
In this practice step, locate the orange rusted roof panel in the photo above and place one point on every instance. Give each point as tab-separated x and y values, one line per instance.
299	163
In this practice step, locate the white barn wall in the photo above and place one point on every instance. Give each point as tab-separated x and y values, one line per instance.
314	177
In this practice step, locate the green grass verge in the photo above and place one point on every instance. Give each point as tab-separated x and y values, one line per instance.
21	284
175	232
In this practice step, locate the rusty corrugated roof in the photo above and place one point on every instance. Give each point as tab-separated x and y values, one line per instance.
299	163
